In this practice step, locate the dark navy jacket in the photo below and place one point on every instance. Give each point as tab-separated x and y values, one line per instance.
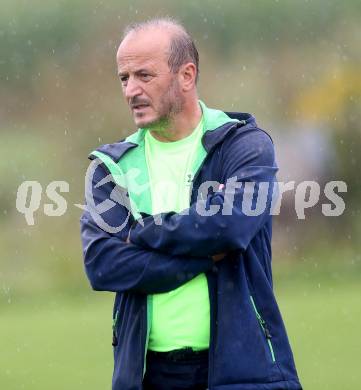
249	348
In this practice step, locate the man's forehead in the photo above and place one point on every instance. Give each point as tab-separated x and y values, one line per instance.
142	46
140	58
137	63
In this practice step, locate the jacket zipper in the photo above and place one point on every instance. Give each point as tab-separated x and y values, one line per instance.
115	322
266	331
149	309
212	306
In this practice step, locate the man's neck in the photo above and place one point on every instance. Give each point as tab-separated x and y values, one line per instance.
181	125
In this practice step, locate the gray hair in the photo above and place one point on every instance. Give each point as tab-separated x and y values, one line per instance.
182	47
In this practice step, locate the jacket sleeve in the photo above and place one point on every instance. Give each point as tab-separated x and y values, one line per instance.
248	162
111	264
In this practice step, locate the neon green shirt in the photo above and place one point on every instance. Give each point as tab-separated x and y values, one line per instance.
182	327
180	318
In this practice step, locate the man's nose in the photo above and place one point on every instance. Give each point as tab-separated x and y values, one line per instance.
132	89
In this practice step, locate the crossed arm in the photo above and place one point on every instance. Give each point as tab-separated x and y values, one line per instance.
112	264
160	258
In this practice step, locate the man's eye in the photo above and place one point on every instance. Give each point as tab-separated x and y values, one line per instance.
124	79
145	76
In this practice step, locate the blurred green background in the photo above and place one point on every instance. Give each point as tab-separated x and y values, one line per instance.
294	64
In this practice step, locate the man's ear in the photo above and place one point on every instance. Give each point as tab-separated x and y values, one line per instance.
187	73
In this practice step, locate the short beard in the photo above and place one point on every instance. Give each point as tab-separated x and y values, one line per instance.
172	103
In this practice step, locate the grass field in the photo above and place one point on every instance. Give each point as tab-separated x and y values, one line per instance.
61	342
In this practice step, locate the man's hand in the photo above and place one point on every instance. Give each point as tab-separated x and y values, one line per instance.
218	257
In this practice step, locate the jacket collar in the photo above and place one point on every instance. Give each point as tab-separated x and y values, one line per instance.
213	137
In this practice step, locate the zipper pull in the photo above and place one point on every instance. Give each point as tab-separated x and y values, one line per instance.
115	340
267	333
115	320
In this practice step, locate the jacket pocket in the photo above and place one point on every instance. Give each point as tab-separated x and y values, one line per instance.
265	329
115	332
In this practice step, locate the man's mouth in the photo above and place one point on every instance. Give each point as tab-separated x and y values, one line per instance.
139	107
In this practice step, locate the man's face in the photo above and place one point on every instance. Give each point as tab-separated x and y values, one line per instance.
150	88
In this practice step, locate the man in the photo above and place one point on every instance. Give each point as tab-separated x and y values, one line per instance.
189	261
